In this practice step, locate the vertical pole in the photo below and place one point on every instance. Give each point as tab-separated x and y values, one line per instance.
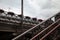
22	13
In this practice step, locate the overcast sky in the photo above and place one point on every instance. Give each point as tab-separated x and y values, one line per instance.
42	9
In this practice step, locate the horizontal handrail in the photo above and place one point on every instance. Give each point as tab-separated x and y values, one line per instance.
31	28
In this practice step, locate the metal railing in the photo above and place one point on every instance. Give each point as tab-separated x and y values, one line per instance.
50	32
46	30
31	29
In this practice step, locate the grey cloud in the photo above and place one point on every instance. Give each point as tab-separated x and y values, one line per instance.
47	8
35	8
13	3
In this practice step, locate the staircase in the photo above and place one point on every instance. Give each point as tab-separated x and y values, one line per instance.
46	31
49	34
41	30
